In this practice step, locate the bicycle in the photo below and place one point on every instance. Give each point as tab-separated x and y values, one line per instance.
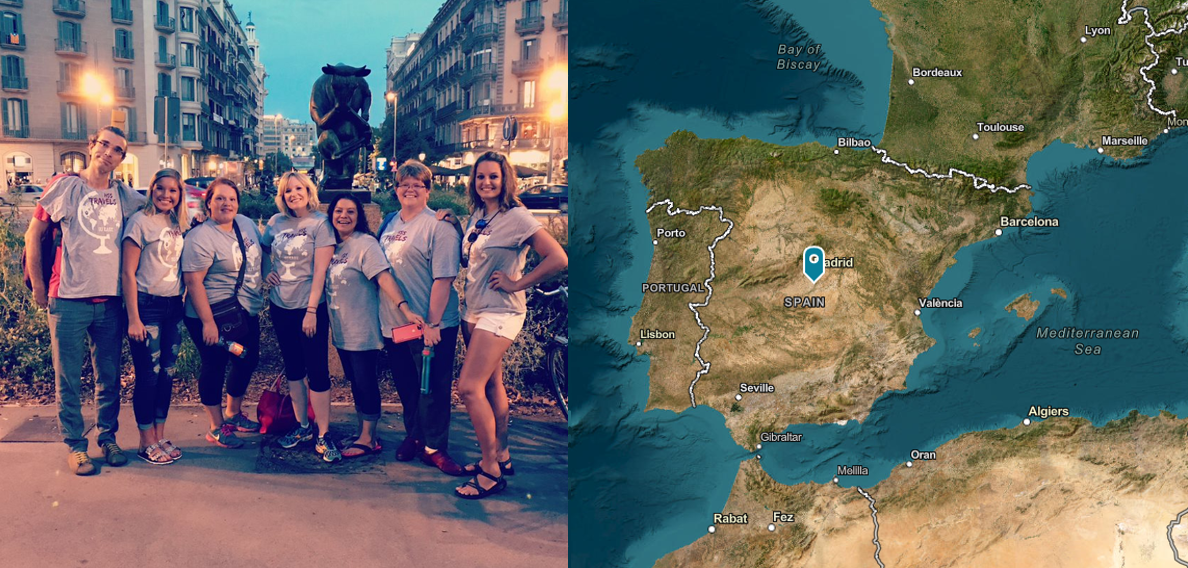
557	358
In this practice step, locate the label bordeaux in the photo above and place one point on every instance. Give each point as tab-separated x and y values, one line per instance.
936	72
939	303
780	437
670	288
730	519
853	470
1046	411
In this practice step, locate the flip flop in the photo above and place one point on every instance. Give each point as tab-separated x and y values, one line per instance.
367	450
500	485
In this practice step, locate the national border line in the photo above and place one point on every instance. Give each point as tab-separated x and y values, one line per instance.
874	514
1125	19
705	366
1172	543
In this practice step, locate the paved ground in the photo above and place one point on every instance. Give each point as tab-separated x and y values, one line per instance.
263	506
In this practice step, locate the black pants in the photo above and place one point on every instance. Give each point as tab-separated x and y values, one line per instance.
304	356
426	416
359	368
214	362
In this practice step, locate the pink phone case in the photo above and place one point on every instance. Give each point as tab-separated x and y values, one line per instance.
406	333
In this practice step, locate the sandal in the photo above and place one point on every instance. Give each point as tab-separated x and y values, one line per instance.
169	448
505	468
500	485
154	455
367	450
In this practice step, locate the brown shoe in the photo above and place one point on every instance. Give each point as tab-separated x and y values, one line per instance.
442	460
409	449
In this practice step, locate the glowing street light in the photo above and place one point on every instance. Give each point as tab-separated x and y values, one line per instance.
391	96
556	85
96	89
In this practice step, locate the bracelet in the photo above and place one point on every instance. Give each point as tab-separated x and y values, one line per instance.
402	302
433	325
310	310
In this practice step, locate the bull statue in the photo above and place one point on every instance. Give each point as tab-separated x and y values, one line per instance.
339	106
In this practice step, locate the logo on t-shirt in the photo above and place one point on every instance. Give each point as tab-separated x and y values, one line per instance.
99	217
393	244
338	263
169	249
290	249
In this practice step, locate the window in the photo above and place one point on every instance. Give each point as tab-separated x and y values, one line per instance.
187	88
531	8
186	15
73	126
14	73
528	94
530	49
10	23
70	74
123	43
19	168
164	84
162	10
16	118
189	130
129	122
70	35
74	162
123	77
563	45
162	49
187	54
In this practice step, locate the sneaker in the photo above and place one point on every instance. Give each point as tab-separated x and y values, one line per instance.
242	423
329	452
296	436
81	464
114	455
224	437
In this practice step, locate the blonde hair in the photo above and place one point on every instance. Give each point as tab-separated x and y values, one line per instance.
311	191
180	210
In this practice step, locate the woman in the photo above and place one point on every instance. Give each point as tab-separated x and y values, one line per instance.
424	254
220	262
498	235
152	289
300	243
358	266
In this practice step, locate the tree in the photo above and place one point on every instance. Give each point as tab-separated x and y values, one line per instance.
409	142
283	162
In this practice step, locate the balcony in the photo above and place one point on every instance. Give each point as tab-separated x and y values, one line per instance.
13	41
121	15
476	73
166	60
445	112
123	53
561	20
530	25
17	132
165	23
125	92
70	8
15	83
136	137
70	48
69	87
73	134
480	35
528	66
17	3
467	12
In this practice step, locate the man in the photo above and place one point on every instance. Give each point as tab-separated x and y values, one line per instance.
83	294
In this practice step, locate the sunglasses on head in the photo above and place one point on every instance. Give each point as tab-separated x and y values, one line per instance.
474	235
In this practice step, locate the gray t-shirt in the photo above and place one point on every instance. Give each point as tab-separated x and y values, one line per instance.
420	251
501	246
92	221
207	247
293	241
353	298
160	240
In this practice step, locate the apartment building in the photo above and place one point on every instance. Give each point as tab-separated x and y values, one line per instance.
294	138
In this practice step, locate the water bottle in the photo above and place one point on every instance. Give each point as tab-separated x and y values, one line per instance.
231	347
426	359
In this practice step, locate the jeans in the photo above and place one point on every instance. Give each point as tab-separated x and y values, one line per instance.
304	356
426	416
154	359
359	368
214	362
70	321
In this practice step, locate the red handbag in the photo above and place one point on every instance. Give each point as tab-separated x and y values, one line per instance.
275	411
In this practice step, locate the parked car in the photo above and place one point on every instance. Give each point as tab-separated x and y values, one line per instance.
200	182
194	200
547	196
26	194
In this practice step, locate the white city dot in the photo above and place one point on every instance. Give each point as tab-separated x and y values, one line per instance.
758	446
1084	39
738	397
909	464
1027	422
836	152
713	529
998	232
771	527
1101	150
975	136
917	312
758	457
835	480
655	242
911	81
638	343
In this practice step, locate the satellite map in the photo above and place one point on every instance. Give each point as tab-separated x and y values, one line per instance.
880	284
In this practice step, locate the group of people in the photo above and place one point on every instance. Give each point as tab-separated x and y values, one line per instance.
137	264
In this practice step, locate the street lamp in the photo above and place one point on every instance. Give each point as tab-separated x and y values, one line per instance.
391	96
95	88
556	83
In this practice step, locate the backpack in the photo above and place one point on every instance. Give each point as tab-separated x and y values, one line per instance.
51	239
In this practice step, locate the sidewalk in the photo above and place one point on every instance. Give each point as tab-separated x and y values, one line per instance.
264	506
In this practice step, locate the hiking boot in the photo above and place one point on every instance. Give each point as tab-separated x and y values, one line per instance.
326	447
242	423
224	437
114	455
81	464
296	436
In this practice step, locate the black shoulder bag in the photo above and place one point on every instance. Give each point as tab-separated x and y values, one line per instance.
229	316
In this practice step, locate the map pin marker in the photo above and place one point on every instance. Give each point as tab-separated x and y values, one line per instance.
814	263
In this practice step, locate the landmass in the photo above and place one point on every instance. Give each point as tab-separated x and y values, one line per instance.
974	332
1024	307
1060	292
1060	491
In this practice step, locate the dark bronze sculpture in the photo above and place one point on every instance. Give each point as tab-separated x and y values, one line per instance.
339	106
